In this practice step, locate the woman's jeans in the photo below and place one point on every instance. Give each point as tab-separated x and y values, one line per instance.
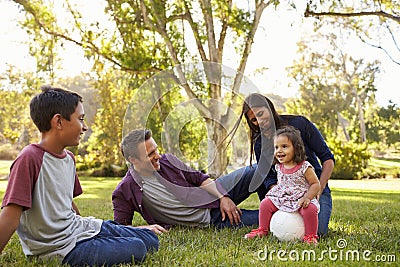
324	215
114	244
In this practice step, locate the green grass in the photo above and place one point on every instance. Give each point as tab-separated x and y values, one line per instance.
365	217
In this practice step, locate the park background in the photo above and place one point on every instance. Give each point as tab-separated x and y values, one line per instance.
336	62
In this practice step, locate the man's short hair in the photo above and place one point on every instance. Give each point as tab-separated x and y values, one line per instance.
129	144
52	101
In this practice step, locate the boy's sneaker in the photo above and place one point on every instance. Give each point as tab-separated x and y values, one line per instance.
310	239
256	233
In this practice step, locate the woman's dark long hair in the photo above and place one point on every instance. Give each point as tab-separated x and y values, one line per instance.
255	100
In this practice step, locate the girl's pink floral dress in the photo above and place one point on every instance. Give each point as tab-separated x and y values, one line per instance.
291	186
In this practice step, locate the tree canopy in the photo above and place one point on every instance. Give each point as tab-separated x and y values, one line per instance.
186	43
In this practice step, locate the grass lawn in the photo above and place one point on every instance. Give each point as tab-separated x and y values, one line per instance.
364	231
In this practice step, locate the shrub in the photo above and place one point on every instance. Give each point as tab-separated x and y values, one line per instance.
109	171
350	159
8	152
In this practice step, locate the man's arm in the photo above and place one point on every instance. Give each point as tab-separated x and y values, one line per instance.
119	216
9	221
227	206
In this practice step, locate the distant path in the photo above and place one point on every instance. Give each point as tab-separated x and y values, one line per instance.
392	184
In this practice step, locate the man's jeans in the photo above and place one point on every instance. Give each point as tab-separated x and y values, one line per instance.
237	184
114	244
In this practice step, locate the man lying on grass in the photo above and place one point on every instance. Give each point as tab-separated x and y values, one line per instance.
167	192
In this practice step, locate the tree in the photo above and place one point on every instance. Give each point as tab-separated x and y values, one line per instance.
17	87
384	129
373	20
153	35
334	88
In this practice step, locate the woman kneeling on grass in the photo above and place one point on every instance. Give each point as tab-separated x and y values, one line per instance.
297	187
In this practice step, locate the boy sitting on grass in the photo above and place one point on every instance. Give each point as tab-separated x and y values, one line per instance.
38	202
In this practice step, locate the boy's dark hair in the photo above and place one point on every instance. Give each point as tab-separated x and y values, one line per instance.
52	101
129	144
294	136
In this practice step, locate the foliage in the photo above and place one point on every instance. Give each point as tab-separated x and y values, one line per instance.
149	36
365	219
141	38
194	146
350	158
16	91
43	46
385	126
379	167
336	90
8	152
115	90
375	22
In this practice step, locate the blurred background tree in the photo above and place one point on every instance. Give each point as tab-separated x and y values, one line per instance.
140	39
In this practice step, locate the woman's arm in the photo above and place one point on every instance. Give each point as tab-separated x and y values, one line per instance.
327	168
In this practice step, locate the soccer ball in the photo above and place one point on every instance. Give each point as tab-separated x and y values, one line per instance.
287	226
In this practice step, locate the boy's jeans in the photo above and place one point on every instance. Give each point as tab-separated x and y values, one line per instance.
114	244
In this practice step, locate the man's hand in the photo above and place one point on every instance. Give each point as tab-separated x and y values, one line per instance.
155	228
228	208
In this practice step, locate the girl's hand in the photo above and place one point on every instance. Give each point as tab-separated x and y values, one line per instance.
304	202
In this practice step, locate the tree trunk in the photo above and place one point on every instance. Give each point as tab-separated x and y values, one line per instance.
342	122
363	134
217	158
